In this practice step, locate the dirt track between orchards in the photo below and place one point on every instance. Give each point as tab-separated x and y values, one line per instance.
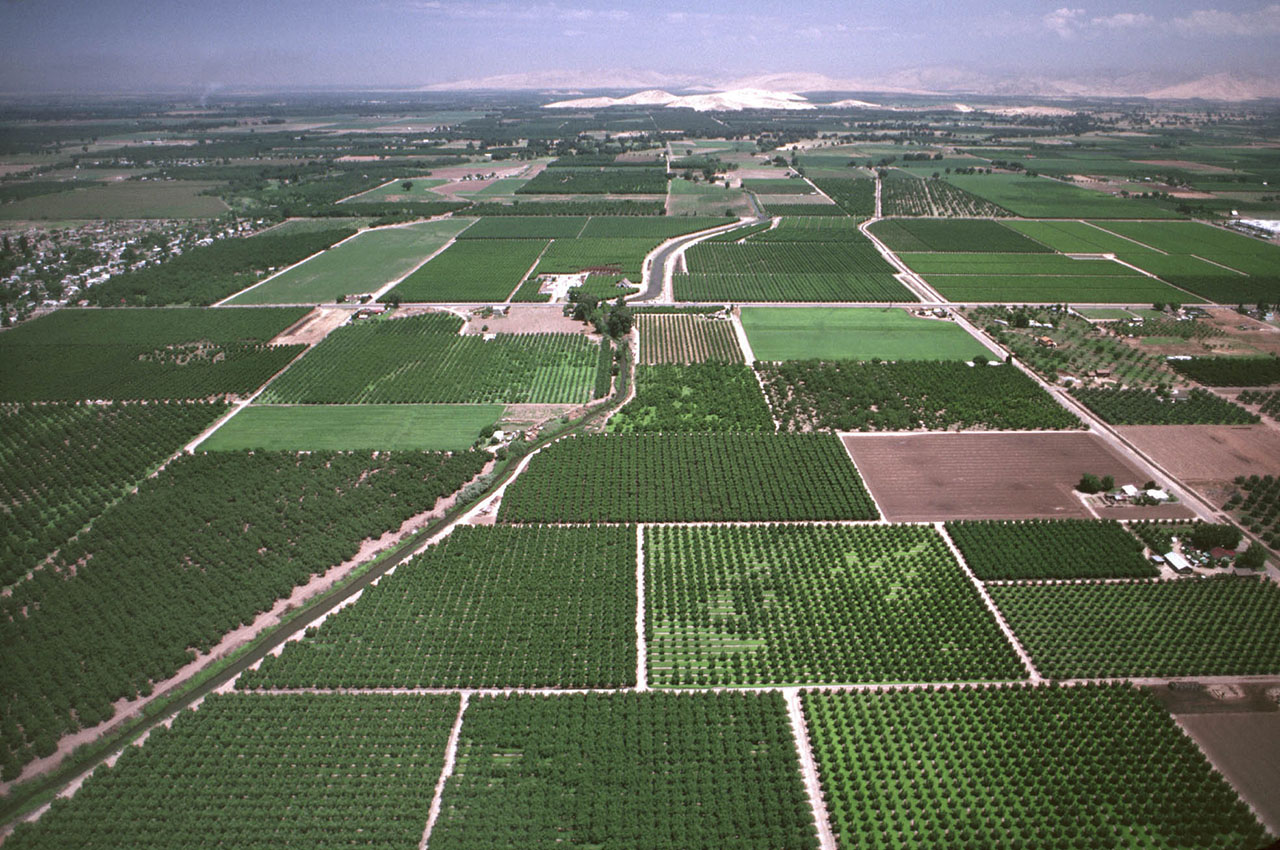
924	477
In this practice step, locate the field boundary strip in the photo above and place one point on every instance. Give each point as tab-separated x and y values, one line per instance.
809	769
1036	678
450	759
437	252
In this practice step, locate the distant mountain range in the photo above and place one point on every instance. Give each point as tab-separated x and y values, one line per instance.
944	81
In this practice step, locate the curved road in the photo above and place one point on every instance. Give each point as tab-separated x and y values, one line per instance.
661	263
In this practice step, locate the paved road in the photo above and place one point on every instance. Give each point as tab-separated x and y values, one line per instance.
655	275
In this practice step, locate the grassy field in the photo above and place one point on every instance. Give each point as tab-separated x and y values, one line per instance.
363	264
343	427
420	189
685	198
131	199
1036	197
802	333
473	270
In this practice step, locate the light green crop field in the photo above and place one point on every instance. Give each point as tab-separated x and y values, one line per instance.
362	264
802	333
1105	313
125	199
420	189
1055	289
1039	197
1073	237
1020	264
342	427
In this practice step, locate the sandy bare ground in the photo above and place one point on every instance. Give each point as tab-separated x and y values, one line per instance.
127	710
987	475
527	319
313	327
1209	452
1245	747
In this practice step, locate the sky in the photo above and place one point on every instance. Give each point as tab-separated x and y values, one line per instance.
212	45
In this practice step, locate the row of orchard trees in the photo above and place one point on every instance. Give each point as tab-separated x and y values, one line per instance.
196	552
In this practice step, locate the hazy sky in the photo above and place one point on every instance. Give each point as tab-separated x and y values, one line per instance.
103	45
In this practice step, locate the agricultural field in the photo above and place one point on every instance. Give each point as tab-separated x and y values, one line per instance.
686	338
1230	371
119	200
786	288
688	478
1018	767
1040	197
1267	401
472	270
800	259
827	604
855	197
815	209
703	397
778	186
325	771
197	551
424	360
410	188
1200	453
902	194
700	771
604	255
1021	265
809	229
542	607
842	257
1220	626
944	395
1150	407
597	181
954	236
541	227
1054	289
1256	502
1078	237
363	264
989	475
1050	549
62	465
686	198
206	274
345	427
820	333
72	355
1215	245
655	229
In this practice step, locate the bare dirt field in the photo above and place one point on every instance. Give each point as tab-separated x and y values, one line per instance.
1244	332
1245	747
1209	452
526	319
313	327
919	477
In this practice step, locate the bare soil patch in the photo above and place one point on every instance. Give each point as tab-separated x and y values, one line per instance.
1245	747
313	327
923	477
526	319
1204	453
1249	333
